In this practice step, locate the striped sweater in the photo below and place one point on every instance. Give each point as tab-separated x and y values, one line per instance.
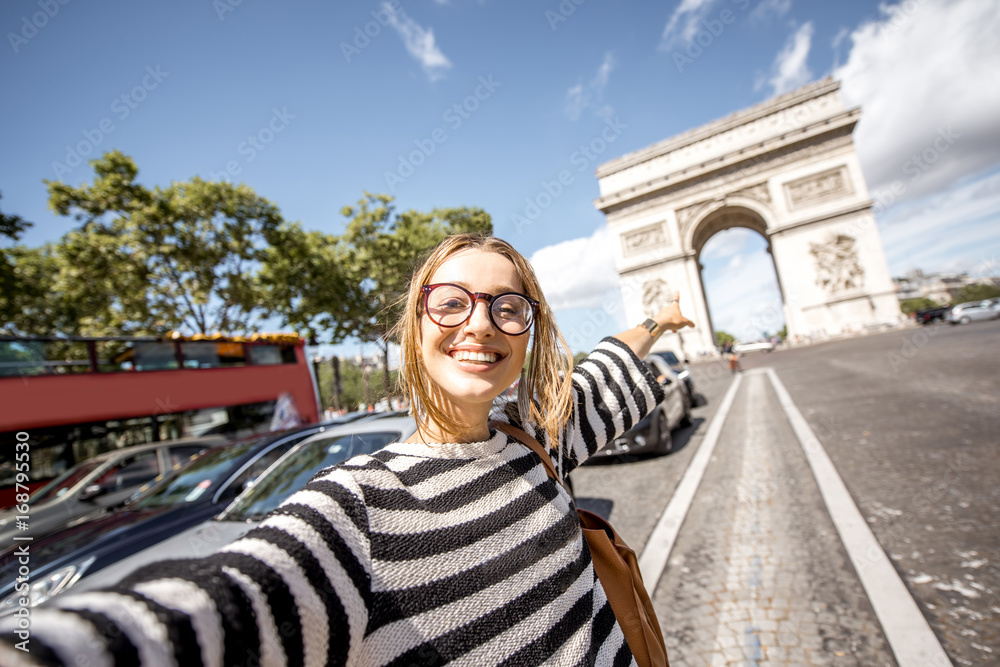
419	554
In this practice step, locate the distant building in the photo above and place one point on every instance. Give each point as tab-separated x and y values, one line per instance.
938	287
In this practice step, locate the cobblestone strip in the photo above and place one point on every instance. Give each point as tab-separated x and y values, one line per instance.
758	575
910	636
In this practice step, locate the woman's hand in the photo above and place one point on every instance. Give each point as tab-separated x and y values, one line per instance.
670	318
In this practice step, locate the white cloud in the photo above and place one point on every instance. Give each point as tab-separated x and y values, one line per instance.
768	7
744	297
684	23
927	233
419	43
578	273
926	66
790	69
591	95
726	243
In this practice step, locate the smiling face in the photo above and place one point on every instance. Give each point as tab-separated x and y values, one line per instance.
472	363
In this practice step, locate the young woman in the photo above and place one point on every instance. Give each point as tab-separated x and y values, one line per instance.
455	546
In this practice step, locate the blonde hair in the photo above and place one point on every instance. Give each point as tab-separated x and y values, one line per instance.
544	390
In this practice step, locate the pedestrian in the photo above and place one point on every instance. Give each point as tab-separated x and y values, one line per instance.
452	547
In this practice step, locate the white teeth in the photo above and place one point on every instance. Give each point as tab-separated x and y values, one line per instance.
465	355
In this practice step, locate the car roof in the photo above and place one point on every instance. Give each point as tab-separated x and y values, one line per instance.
207	440
366	426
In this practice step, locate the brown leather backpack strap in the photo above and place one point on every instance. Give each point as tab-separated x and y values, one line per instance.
530	443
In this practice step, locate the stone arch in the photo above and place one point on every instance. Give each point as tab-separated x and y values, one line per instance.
726	214
785	168
732	212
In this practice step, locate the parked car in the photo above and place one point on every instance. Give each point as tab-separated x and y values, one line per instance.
654	432
756	346
289	474
99	482
930	315
185	497
964	313
681	369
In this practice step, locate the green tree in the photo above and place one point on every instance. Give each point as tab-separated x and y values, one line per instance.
304	280
12	226
721	338
147	261
382	249
910	306
977	292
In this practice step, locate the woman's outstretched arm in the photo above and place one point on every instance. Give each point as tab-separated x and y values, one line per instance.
641	340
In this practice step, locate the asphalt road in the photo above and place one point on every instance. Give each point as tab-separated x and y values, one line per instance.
910	420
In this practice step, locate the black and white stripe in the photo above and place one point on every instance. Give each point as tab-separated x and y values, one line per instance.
418	554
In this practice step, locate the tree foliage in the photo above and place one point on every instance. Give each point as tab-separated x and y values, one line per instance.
181	257
910	306
721	338
382	250
978	292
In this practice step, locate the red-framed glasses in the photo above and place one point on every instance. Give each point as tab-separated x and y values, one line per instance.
452	305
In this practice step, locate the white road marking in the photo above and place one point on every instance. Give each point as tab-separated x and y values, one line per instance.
657	550
907	631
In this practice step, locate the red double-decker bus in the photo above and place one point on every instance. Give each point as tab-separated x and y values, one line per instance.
76	397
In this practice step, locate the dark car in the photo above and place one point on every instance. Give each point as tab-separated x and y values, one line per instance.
181	499
654	432
930	315
284	478
680	369
100	482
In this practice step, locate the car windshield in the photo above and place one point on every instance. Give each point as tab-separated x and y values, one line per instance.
670	358
192	481
64	482
296	468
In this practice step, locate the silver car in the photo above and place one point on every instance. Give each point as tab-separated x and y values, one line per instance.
288	474
102	481
964	313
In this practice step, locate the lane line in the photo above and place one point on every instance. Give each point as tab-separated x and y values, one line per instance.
657	550
907	631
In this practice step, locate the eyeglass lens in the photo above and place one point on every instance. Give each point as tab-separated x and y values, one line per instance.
450	306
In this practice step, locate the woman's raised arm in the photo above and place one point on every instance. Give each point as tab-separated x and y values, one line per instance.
641	338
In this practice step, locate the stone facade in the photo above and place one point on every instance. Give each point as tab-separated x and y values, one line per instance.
785	168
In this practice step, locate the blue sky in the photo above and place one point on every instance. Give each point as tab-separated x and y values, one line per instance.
483	103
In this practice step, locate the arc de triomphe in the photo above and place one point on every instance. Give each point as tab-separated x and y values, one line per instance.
785	168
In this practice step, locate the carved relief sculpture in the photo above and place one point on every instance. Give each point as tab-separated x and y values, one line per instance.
757	192
643	239
818	187
655	295
837	265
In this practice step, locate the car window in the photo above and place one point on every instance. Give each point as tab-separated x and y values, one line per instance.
298	467
253	471
64	482
130	471
670	358
180	455
193	481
